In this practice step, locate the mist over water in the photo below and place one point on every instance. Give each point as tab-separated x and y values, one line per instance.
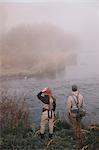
49	38
40	49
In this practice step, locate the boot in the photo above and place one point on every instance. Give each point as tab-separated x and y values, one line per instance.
50	136
42	136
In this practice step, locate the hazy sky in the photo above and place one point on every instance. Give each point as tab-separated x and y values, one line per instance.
79	17
68	1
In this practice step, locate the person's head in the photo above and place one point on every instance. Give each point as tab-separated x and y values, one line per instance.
48	92
74	88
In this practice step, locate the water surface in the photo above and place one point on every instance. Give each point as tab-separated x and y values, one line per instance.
29	88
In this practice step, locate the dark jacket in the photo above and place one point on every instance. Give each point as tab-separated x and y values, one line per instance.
45	99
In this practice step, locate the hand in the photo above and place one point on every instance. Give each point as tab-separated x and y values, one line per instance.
44	90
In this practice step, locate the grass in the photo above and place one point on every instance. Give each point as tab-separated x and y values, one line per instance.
17	133
91	140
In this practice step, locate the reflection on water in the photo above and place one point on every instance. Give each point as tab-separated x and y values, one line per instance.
29	87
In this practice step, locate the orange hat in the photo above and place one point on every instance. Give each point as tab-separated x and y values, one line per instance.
48	92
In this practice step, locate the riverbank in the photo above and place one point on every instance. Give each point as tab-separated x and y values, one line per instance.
18	133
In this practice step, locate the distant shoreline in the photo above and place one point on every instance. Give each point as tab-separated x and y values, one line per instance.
15	76
36	76
27	75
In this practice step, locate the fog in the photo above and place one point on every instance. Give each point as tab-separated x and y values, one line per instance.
47	38
37	49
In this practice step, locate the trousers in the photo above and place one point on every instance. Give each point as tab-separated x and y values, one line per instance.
75	124
46	120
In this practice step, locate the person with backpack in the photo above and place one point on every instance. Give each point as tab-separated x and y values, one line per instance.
75	110
48	111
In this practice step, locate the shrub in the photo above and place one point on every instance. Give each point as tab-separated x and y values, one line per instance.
13	113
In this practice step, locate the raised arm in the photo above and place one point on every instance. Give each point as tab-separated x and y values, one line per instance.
44	99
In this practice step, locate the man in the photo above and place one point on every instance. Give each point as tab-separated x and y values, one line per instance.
75	103
48	112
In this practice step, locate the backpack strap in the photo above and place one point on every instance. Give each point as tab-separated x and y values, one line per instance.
75	100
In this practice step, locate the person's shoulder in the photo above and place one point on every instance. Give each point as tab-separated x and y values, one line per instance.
80	95
70	96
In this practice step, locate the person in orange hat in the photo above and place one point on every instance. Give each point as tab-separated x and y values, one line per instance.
48	111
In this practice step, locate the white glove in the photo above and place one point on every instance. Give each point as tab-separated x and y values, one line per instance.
44	90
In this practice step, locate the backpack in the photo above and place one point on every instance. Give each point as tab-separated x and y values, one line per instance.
78	112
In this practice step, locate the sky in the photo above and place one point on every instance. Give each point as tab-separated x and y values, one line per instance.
77	17
68	1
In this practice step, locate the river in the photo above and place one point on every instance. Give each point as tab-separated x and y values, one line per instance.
29	87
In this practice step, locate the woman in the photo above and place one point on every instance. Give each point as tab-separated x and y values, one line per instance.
48	111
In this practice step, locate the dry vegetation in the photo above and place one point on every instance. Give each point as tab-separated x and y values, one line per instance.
17	133
12	112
